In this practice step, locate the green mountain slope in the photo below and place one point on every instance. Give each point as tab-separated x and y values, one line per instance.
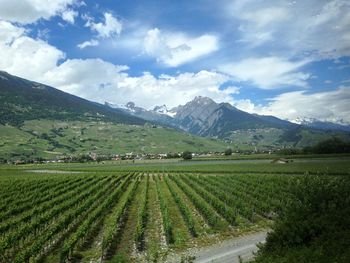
22	100
275	138
50	139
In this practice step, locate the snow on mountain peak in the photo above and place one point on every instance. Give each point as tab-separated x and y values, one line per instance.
161	109
164	110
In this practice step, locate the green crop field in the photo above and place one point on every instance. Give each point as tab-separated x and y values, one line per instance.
141	212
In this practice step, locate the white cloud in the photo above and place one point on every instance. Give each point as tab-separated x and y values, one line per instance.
266	16
247	105
330	106
9	32
110	27
111	83
268	72
29	11
89	43
69	15
25	56
174	49
101	81
320	27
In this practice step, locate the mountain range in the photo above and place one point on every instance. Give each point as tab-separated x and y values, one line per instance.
37	120
204	117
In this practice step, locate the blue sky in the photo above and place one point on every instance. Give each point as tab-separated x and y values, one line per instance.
290	59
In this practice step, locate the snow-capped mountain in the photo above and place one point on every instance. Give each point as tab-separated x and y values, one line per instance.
164	110
203	116
115	106
159	114
322	125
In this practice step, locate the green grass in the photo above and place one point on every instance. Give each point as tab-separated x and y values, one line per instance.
330	165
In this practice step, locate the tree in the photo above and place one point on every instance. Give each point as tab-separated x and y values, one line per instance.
333	145
228	151
186	155
314	225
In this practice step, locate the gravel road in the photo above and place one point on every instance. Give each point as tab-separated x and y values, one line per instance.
230	250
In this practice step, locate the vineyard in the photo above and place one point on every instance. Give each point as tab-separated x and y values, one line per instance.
138	215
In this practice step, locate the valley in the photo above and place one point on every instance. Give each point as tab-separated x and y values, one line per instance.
41	122
174	131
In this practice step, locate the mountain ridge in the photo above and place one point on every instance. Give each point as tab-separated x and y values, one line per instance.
26	100
204	117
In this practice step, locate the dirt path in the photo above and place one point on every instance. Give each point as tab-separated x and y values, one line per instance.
230	250
226	251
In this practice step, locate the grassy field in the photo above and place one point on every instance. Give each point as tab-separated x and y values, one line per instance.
313	164
143	211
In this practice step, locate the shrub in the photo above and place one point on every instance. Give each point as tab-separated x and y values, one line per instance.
186	155
228	151
314	227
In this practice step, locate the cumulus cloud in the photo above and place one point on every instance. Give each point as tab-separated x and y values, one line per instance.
113	84
24	56
268	72
29	11
9	32
332	106
174	49
101	81
320	27
69	15
89	43
110	27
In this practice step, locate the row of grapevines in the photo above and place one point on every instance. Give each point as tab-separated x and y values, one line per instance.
37	209
111	228
273	190
167	222
19	183
263	203
142	218
26	192
231	196
13	238
97	215
203	207
237	189
243	211
66	223
224	210
186	213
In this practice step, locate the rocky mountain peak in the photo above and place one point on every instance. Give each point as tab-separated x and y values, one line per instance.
130	105
161	109
202	100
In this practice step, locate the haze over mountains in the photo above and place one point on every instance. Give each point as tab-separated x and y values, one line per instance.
38	120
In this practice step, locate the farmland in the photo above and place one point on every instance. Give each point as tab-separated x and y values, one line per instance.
141	212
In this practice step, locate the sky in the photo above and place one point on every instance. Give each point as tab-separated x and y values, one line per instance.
290	59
